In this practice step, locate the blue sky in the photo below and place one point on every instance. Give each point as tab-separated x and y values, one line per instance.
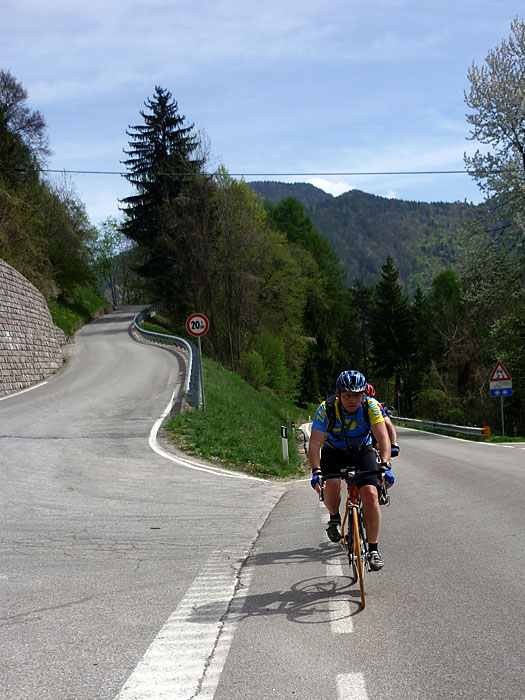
302	86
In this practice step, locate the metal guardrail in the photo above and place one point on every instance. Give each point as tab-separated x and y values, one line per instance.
192	386
306	429
448	427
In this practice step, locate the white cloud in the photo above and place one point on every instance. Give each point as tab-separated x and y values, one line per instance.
334	188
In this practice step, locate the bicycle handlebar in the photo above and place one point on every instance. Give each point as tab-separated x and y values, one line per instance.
350	475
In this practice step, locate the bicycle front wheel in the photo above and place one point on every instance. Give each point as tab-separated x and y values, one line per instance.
349	538
356	547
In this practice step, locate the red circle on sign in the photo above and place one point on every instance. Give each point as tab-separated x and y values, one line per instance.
197	325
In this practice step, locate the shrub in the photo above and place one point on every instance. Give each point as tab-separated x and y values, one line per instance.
456	416
253	369
433	404
271	349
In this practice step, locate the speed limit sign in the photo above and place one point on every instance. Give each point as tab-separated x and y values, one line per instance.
197	325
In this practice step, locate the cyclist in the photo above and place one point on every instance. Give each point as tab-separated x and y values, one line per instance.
392	434
348	443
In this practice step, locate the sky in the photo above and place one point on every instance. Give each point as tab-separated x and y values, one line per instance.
288	90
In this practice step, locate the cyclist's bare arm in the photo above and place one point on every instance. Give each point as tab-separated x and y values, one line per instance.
383	440
392	434
314	451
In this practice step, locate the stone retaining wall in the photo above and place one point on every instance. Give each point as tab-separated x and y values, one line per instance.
29	341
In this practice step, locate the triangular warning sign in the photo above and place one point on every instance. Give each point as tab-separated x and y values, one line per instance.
499	373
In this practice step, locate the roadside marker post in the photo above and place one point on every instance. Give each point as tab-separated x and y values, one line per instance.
284	441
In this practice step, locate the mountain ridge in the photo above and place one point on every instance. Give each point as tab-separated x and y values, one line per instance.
364	228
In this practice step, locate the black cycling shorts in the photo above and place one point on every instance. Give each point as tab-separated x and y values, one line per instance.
360	459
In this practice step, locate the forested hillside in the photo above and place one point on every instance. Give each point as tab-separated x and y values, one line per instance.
421	238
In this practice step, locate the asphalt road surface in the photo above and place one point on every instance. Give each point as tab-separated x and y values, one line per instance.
131	572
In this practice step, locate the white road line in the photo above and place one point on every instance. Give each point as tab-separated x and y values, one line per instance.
153	443
340	611
22	391
187	656
351	686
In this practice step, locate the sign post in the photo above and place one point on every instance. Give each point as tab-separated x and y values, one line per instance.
198	325
398	396
500	385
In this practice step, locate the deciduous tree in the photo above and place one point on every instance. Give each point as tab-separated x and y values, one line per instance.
497	103
492	254
29	125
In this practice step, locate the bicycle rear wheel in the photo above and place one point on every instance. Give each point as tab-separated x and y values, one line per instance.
357	546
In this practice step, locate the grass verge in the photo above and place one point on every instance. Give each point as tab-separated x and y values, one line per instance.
78	308
241	427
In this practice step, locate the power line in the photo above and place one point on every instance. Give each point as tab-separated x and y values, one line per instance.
247	174
350	173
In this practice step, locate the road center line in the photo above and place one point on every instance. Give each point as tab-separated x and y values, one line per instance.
351	686
340	611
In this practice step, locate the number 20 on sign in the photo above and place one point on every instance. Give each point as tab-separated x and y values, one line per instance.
197	325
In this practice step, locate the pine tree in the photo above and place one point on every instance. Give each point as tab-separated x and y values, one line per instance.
361	299
391	326
161	158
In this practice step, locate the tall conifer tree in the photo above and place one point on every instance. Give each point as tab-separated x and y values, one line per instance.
162	155
391	325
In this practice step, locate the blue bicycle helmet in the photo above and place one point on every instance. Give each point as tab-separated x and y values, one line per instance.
351	380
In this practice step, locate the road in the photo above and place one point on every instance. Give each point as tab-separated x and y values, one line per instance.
135	574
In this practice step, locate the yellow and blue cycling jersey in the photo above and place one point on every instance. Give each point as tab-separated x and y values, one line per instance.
349	430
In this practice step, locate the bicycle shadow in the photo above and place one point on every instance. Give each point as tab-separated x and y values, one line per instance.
316	600
313	601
